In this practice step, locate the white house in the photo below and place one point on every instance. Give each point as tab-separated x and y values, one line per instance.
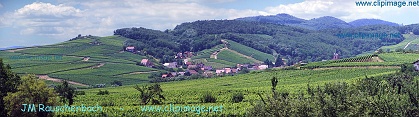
262	67
219	71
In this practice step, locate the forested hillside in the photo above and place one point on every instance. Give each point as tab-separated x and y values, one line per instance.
321	23
292	43
276	19
414	28
366	22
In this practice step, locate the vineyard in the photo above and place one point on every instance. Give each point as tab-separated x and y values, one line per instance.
248	51
207	52
366	58
234	53
412	39
228	55
106	62
125	101
215	63
384	59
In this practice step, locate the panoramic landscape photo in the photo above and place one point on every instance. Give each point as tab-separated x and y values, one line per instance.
158	58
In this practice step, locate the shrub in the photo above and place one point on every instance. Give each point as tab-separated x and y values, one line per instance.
117	83
80	93
106	92
238	97
208	98
151	93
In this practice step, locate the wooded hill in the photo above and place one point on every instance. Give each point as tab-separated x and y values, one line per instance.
321	23
292	43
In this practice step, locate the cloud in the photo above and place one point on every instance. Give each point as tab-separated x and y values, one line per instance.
1	6
110	15
41	18
97	17
194	1
101	17
47	11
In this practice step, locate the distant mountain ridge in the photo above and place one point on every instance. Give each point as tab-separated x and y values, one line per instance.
325	22
276	19
366	22
11	47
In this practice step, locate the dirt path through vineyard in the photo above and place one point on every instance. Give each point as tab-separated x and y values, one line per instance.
46	77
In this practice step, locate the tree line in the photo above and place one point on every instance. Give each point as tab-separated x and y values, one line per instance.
16	91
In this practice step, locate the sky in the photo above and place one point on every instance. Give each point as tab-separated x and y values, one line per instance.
42	22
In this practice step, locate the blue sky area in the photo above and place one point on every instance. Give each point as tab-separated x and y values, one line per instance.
41	22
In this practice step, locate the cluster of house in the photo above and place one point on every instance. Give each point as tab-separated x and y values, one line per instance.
208	71
255	66
192	69
197	69
184	55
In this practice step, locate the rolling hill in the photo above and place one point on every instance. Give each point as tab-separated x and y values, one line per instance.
248	42
253	86
366	22
293	43
283	18
321	23
107	62
95	60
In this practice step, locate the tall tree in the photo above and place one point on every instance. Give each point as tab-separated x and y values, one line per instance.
31	91
66	92
150	93
8	83
279	61
268	62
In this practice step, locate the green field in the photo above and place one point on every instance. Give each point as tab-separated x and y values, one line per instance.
107	64
117	64
215	63
248	51
207	52
230	56
235	54
51	68
390	59
399	57
125	101
413	39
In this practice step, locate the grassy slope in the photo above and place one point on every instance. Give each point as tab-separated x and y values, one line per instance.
248	51
237	53
414	39
234	57
109	53
390	59
73	68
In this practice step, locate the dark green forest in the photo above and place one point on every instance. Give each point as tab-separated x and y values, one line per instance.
292	43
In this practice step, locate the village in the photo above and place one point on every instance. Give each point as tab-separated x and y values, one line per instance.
191	68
